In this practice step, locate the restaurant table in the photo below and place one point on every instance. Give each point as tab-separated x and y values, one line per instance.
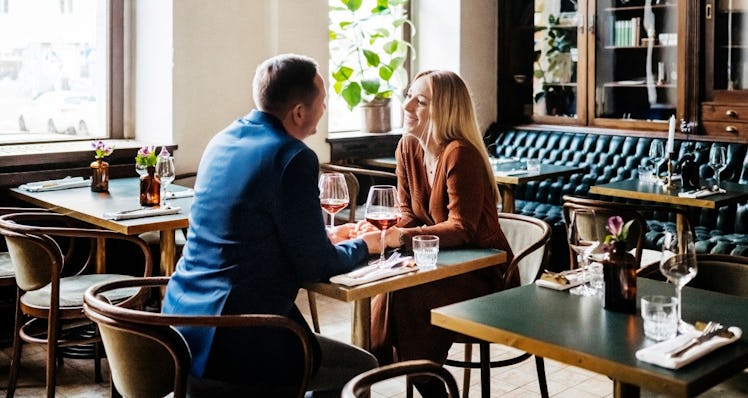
450	262
656	192
576	330
85	205
505	182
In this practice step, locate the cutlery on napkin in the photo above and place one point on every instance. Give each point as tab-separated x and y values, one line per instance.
660	354
141	212
54	185
560	280
700	193
370	273
185	193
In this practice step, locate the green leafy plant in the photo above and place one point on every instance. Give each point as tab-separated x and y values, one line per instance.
551	58
146	156
366	51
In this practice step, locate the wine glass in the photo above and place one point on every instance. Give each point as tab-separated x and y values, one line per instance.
657	155
717	161
382	211
166	173
678	265
582	233
333	194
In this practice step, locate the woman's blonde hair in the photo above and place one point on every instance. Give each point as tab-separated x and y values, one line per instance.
452	116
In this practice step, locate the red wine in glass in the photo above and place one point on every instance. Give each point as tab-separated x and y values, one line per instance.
382	210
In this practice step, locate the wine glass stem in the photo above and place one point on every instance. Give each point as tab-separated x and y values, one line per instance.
680	304
332	221
381	254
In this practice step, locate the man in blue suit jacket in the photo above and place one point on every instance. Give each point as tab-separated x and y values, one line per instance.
257	233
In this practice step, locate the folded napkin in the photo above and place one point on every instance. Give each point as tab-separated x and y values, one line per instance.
658	354
700	193
54	185
142	212
560	281
371	273
510	172
185	193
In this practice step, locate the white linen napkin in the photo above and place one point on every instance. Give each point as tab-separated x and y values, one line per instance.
54	185
552	281
699	193
656	354
142	212
185	193
510	172
372	273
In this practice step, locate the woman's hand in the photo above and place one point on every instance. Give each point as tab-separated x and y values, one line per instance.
341	233
361	228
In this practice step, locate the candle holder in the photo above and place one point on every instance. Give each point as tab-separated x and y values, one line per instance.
669	184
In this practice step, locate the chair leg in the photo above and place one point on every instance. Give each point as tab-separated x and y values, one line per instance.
97	362
52	336
466	371
313	310
15	361
540	366
408	387
485	370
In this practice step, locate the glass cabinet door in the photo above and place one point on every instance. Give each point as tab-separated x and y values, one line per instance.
636	67
558	71
730	45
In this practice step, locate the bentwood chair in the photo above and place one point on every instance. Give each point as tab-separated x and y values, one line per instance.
148	357
51	276
360	385
528	238
722	273
647	260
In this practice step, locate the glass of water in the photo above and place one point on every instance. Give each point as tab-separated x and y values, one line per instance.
660	315
426	250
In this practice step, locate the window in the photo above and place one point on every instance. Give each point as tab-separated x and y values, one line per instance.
340	117
56	80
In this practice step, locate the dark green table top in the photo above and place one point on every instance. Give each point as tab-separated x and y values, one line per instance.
576	330
655	192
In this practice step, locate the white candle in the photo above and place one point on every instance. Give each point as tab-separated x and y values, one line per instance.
670	135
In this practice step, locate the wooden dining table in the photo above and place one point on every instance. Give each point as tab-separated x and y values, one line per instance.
656	192
84	205
451	262
576	330
507	174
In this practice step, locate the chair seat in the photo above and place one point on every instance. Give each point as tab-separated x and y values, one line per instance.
6	267
72	289
154	237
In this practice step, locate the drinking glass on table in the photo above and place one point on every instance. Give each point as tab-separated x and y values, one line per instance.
717	161
657	155
382	211
333	194
678	265
166	173
583	240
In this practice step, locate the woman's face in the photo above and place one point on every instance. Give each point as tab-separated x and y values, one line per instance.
416	108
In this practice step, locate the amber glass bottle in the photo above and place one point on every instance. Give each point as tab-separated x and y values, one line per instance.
150	188
99	176
619	273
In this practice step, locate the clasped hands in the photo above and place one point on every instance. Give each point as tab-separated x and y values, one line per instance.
368	232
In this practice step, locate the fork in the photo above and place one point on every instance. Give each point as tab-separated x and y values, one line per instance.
709	328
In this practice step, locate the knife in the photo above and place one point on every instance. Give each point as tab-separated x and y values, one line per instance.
722	332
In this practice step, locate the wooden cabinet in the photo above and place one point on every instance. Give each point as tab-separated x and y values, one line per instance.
724	112
621	64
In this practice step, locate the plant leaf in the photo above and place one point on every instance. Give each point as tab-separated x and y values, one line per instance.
342	74
372	58
396	62
351	94
385	72
391	46
371	86
352	5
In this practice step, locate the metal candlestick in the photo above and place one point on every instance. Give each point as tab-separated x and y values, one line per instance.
669	177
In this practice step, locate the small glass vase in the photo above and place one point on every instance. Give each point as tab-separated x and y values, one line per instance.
150	188
619	274
99	176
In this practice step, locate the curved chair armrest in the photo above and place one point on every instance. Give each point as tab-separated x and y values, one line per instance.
359	386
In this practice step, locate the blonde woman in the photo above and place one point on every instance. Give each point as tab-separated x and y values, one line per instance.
446	188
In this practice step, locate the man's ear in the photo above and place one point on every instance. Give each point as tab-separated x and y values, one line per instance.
297	114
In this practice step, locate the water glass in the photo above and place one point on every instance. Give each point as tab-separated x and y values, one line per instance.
646	174
426	250
660	314
595	272
533	166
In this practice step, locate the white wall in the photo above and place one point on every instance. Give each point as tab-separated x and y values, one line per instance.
195	60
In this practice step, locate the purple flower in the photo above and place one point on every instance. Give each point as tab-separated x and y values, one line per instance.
618	230
146	156
164	152
102	150
615	224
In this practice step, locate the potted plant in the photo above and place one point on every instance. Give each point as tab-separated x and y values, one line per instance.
368	57
553	67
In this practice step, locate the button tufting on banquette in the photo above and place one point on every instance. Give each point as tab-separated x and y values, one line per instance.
609	158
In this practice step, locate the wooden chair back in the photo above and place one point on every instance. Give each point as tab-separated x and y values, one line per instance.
528	238
722	273
360	385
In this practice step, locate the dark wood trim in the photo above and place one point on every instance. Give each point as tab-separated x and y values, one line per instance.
116	69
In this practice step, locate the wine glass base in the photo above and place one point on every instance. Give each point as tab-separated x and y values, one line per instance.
583	290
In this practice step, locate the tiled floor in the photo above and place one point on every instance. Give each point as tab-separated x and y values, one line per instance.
75	378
